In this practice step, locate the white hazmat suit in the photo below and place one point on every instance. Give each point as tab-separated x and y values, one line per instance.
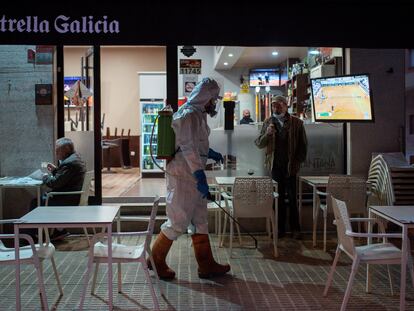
185	204
187	184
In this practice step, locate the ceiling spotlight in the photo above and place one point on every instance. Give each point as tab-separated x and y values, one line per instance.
225	63
230	54
275	53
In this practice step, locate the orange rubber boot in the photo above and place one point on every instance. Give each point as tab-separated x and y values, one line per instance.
207	266
160	250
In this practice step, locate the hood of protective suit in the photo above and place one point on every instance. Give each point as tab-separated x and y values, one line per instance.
203	92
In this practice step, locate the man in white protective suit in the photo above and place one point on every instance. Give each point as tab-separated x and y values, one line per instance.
187	189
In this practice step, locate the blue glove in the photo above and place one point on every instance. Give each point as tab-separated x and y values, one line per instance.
202	185
216	156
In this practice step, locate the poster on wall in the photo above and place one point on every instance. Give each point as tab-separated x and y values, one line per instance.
43	94
190	66
44	54
189	82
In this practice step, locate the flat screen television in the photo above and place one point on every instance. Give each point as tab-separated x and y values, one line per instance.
264	77
342	99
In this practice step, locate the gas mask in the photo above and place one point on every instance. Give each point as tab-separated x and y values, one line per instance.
212	107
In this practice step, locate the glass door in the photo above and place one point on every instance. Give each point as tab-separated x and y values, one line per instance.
79	104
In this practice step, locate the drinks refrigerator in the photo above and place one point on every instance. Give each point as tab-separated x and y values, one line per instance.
149	114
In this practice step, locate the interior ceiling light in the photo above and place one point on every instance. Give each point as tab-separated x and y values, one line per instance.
230	54
225	63
314	52
275	53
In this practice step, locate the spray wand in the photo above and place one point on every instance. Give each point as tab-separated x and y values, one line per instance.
210	198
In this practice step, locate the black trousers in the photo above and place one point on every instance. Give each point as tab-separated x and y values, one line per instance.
286	189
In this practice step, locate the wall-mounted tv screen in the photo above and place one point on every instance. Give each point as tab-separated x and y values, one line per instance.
342	99
264	77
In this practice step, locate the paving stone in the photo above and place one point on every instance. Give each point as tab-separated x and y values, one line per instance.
294	281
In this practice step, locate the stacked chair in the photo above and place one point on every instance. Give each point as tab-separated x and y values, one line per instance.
403	185
391	179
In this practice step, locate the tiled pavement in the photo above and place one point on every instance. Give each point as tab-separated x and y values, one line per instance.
294	281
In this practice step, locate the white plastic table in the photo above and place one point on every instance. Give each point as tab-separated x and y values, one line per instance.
315	182
402	216
46	217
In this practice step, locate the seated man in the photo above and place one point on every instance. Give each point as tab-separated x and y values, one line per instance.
68	175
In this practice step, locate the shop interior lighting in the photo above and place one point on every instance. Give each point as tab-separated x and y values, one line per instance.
257	89
230	54
267	88
314	52
225	63
275	53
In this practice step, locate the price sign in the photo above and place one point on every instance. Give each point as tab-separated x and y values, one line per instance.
190	66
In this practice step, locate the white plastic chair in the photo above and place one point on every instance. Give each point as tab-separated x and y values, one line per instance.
84	195
212	206
350	189
253	197
122	253
379	253
31	254
216	190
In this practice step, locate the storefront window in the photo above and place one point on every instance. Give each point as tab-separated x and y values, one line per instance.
27	108
27	118
133	90
250	78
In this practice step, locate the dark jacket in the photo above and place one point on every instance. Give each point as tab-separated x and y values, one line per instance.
245	120
68	176
297	143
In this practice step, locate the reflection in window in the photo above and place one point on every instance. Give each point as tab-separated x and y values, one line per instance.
27	108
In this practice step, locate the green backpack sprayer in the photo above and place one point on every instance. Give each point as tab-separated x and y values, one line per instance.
166	135
166	150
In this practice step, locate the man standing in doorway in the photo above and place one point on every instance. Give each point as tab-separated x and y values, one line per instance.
284	138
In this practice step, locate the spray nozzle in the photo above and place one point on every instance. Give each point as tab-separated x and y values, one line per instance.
167	108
